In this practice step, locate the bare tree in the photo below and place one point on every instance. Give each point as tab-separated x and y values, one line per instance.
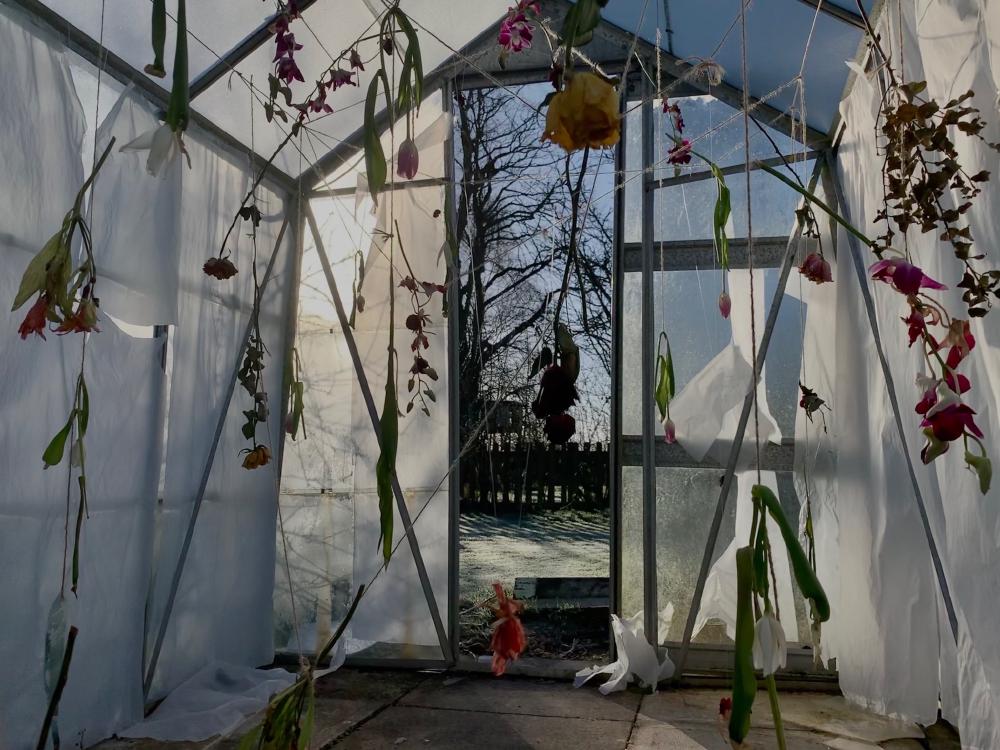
512	223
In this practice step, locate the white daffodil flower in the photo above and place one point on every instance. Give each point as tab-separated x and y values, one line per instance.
769	648
164	146
945	397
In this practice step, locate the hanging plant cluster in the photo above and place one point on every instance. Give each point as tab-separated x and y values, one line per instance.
421	372
557	387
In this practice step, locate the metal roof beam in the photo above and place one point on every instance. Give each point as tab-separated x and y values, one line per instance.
835	11
101	57
238	54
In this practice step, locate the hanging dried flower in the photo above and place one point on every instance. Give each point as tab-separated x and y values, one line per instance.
584	114
220	268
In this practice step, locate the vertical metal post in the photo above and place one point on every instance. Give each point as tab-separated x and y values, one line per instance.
615	427
205	474
366	393
293	215
734	452
890	387
454	374
649	604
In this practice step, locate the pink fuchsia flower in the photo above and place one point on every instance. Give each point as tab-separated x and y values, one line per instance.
917	321
905	277
288	71
951	423
407	159
34	321
285	45
725	305
340	77
680	153
816	268
515	32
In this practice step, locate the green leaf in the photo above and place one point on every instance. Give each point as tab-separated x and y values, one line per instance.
385	468
412	66
159	37
805	576
581	20
180	98
83	414
744	679
983	468
307	722
55	641
53	254
374	155
817	202
664	382
53	454
723	207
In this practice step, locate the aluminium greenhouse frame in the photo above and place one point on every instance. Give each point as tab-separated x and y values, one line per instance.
456	73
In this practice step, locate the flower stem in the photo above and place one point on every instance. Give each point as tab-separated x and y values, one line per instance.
779	727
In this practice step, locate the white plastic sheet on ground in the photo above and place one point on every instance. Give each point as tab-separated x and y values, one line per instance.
637	659
212	702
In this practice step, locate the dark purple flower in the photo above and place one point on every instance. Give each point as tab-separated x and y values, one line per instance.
675	114
951	423
559	428
407	159
680	153
515	32
356	60
340	77
288	71
905	277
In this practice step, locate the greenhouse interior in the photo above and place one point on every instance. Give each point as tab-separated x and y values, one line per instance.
507	374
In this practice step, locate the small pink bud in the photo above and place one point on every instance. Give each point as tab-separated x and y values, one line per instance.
725	305
669	430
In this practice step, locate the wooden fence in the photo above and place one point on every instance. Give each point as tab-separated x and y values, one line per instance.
505	475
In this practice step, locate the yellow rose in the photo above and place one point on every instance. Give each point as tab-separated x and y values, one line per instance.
259	456
585	113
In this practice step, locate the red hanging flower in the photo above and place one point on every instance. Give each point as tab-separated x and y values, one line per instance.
556	395
34	321
559	428
816	269
509	640
83	319
680	153
950	423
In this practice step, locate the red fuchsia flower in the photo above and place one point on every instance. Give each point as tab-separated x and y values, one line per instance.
962	342
816	269
559	428
917	321
905	277
515	31
509	639
680	153
725	305
34	321
82	320
671	108
355	60
408	159
557	393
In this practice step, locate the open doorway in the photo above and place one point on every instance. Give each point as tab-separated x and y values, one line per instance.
535	507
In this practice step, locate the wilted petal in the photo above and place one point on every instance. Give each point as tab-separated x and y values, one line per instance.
769	648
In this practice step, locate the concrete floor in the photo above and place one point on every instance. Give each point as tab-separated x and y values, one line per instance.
382	709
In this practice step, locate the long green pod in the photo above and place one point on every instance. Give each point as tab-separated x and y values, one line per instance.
805	576
744	680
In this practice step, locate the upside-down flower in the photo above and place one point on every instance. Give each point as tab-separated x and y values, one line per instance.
256	457
770	650
164	145
559	428
951	422
556	394
962	342
725	304
583	114
82	320
220	268
669	430
680	153
408	159
904	277
34	321
672	109
509	640
816	268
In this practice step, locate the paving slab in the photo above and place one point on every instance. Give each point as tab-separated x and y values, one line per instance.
827	714
408	727
349	696
655	735
508	695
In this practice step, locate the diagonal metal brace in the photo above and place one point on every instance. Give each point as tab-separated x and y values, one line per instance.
366	393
